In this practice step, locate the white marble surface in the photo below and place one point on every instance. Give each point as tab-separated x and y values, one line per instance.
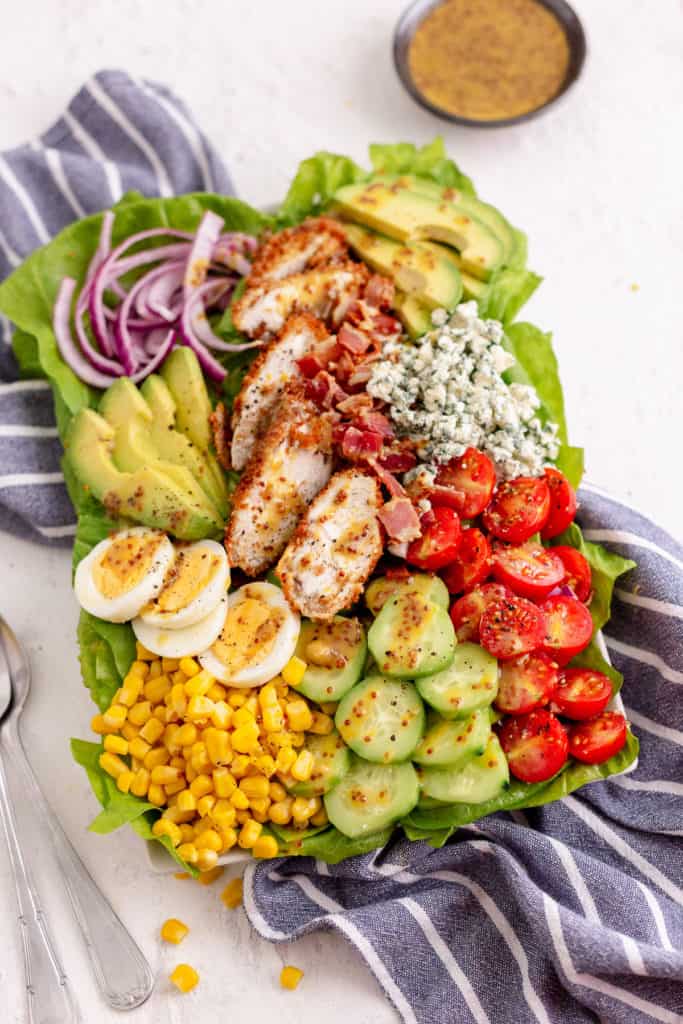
597	185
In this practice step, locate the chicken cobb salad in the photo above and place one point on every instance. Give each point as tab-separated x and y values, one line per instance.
331	579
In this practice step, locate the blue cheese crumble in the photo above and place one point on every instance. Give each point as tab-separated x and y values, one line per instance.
446	393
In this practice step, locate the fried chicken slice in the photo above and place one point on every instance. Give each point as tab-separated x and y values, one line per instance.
291	464
265	381
317	241
335	548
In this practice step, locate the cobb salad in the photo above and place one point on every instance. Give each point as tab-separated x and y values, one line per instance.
331	580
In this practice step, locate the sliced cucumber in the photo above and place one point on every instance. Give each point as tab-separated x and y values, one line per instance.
470	682
331	761
481	779
450	744
381	719
427	585
372	796
412	636
342	644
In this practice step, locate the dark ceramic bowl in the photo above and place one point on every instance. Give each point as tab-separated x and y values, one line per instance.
413	16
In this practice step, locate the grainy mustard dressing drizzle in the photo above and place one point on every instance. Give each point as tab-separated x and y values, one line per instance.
488	60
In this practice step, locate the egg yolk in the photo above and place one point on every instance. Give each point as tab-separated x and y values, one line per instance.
125	563
192	571
250	630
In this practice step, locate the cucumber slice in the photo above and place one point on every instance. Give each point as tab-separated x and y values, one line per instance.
331	761
429	586
451	744
343	645
381	719
480	779
412	636
372	796
470	682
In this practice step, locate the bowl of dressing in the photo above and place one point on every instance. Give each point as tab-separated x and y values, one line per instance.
488	63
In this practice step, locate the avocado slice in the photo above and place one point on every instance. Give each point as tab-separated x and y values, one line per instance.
176	447
185	380
472	287
406	215
124	408
414	315
146	495
425	272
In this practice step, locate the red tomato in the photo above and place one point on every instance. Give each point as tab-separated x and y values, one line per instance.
598	739
511	626
577	571
568	627
519	508
536	745
439	542
474	474
562	504
582	693
526	683
467	612
529	570
472	565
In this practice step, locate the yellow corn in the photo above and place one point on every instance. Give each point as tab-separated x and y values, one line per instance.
131	690
276	791
200	684
217	692
179	699
186	832
273	718
255	786
224	782
229	837
169	664
242	716
155	757
239	766
209	840
156	689
189	666
304	807
280	812
142	653
221	715
115	716
239	800
129	731
232	894
210	876
199	709
112	764
164	827
174	931
170	739
242	816
285	759
185	978
156	795
177	816
172	788
223	813
116	744
236	698
99	726
205	804
217	746
188	852
187	735
265	846
245	738
154	668
319	818
202	785
140	783
303	766
140	712
206	859
152	731
297	739
321	724
266	764
165	775
290	977
187	800
139	748
124	780
267	696
299	715
249	833
258	807
294	671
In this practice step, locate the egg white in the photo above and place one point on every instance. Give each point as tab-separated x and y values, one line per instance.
127	605
283	647
203	603
183	643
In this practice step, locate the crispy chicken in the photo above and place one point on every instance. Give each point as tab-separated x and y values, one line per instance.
319	240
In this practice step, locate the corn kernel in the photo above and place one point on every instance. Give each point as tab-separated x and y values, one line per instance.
217	746
201	824
189	666
129	731
112	764
285	759
188	852
201	762
228	836
209	840
165	775
140	712
265	764
242	716
199	685
319	818
223	813
278	740
186	832
156	795
99	726
185	978
322	725
258	808
242	816
139	748
170	664
199	709
217	692
210	876
232	894
140	783
297	739
177	816
124	780
202	785
303	766
170	739
236	698
155	757
173	788
280	812
264	847
154	668
239	800
115	716
239	766
255	786
187	800
182	876
179	699
303	808
276	791
221	715
173	931
187	735
251	705
299	715
164	827
206	859
131	690
152	731
273	719
116	744
190	773
157	688
249	833
290	977
245	739
294	671
267	696
223	782
205	804
142	653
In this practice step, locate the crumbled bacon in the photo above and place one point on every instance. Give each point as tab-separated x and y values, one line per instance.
360	444
356	404
380	292
396	490
376	421
400	520
353	340
324	390
437	495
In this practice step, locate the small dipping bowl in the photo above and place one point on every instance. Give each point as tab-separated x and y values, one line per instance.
413	17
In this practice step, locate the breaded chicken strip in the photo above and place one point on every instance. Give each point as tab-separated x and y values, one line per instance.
335	548
317	241
291	464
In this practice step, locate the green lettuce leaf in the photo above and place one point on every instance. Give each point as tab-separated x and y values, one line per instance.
430	161
107	650
507	292
314	184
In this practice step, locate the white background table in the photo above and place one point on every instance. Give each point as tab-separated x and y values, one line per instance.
596	183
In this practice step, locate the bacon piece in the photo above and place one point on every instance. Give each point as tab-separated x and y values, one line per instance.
397	459
353	340
324	390
396	490
377	421
354	405
380	292
400	520
359	444
220	428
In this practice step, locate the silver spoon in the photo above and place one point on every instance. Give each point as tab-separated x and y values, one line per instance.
121	971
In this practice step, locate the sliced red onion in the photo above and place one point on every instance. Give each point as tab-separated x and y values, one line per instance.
157	359
564	590
68	349
194	322
208	233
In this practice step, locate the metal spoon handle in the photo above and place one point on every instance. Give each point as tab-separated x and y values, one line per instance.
121	971
49	996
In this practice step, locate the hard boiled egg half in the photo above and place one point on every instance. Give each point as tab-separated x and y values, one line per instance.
257	638
123	573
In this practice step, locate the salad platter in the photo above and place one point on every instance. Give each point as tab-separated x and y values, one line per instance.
332	583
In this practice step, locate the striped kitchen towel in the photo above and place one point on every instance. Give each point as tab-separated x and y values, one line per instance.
563	914
117	134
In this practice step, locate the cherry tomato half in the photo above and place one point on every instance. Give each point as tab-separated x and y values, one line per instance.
577	571
526	683
472	565
582	693
466	613
568	627
474	475
529	570
536	745
511	626
562	503
519	508
439	542
598	739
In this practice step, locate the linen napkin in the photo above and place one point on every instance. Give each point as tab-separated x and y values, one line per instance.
116	135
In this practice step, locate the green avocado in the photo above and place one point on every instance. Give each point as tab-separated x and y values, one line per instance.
424	272
411	216
472	287
146	495
183	375
178	448
414	315
124	409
